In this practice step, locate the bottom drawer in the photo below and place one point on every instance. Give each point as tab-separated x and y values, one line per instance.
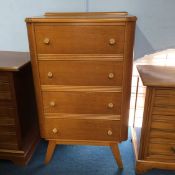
162	150
82	129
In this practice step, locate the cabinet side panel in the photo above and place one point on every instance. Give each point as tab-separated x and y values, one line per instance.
33	54
146	123
127	75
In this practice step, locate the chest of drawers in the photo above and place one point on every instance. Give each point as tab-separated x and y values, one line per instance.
154	126
82	65
19	132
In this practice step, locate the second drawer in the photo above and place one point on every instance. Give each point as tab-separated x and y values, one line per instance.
82	102
86	73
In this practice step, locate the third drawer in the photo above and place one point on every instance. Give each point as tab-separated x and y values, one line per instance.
82	102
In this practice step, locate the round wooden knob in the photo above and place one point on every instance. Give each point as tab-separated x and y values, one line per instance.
52	103
110	105
109	132
46	41
50	74
54	130
112	41
111	75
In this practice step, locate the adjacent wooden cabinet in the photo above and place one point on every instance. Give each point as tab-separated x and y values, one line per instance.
82	66
153	132
19	132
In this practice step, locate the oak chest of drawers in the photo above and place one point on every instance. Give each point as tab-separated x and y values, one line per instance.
82	65
153	133
19	132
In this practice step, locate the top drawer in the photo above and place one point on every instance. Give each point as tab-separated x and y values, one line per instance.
79	39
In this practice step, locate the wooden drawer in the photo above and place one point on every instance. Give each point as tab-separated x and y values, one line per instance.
82	102
163	125
164	97
86	73
168	92
4	87
5	96
82	129
158	134
163	110
7	112
4	77
162	150
79	39
8	141
5	93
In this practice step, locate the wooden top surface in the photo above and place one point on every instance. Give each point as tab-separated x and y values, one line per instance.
83	17
13	61
162	76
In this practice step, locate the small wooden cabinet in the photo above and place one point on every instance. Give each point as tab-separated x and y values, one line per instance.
82	64
153	132
18	117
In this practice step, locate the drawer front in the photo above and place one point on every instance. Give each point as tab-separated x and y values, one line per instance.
164	137
86	73
166	125
78	39
8	142
4	87
7	112
82	129
167	150
5	93
82	102
5	96
4	77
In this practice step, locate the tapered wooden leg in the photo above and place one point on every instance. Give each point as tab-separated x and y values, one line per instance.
116	153
50	150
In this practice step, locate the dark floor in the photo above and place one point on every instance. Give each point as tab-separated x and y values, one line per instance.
78	160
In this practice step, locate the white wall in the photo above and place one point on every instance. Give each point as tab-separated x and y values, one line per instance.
155	26
13	34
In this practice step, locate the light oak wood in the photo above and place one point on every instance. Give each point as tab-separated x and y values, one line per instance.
82	102
77	39
81	129
95	14
154	141
85	73
50	150
82	64
116	153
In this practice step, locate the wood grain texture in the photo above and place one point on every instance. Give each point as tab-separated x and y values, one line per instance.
83	17
82	64
18	116
156	149
78	39
82	73
82	102
82	129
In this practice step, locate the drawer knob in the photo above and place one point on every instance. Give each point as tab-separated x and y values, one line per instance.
111	75
110	105
46	41
109	132
50	74
54	130
112	41
173	148
52	103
